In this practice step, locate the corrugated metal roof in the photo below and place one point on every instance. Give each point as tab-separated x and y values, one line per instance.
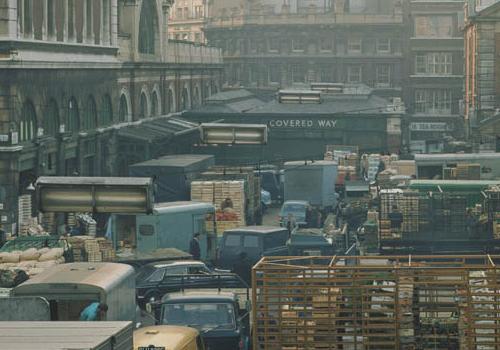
158	129
448	157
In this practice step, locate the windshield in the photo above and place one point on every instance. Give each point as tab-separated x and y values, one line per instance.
200	316
294	208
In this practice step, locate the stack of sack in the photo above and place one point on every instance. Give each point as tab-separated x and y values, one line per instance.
32	261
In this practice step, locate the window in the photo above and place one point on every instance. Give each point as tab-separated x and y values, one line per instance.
157	276
143	106
383	45
354	74
326	44
123	110
383	74
275	240
274	44
154	105
73	116
275	73
326	74
106	111
298	44
146	230
27	123
432	101
186	13
147	28
28	15
171	103
51	119
354	45
434	26
185	99
232	241
90	121
298	73
198	11
250	242
197	37
253	70
434	63
177	270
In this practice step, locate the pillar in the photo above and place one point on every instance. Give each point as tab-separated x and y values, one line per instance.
65	21
105	23
88	22
71	14
44	20
114	23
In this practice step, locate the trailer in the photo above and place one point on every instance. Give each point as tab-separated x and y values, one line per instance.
66	335
376	302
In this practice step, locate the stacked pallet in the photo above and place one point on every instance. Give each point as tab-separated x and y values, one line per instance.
86	248
93	251
106	248
405	315
24	214
468	172
48	222
71	219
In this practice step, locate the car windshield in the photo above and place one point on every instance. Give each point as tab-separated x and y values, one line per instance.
145	272
200	316
294	208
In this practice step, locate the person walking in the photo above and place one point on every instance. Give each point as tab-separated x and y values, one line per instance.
194	247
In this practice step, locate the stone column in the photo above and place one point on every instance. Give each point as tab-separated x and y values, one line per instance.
45	20
89	22
105	22
65	21
30	34
51	20
71	11
20	19
101	24
114	23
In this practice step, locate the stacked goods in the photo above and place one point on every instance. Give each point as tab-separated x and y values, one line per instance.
373	166
216	192
404	167
71	219
88	223
48	222
346	173
405	312
468	172
32	261
91	249
24	214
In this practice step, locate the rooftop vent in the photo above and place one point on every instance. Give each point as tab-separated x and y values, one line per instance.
299	96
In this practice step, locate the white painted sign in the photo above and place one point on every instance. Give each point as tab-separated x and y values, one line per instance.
303	123
430	127
4	138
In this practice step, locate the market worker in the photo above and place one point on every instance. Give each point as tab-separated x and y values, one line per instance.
94	312
194	246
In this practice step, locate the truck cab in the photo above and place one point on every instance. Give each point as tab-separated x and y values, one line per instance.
219	317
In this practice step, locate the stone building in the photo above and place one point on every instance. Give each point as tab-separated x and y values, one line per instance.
482	73
90	86
434	61
275	43
187	20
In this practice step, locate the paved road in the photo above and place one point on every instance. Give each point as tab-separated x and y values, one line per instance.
271	217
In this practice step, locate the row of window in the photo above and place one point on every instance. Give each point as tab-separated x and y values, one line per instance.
433	101
326	73
354	45
184	13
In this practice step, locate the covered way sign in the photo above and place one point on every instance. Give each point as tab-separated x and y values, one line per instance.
118	195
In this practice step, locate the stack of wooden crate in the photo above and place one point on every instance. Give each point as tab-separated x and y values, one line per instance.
385	230
405	315
24	214
93	252
48	222
468	172
107	251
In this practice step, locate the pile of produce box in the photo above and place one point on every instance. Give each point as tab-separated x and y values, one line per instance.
216	192
91	249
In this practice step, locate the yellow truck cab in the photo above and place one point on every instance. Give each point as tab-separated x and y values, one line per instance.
167	337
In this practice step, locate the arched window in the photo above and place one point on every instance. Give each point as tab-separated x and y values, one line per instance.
123	110
147	27
73	116
185	99
106	111
143	106
171	101
155	106
27	123
206	91
51	119
90	121
196	96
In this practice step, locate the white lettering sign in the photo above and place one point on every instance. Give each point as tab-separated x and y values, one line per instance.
430	127
303	123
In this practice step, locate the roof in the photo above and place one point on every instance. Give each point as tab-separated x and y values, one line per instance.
176	161
161	264
170	337
454	182
177	207
199	296
229	95
310	164
157	129
105	181
54	335
447	157
256	229
91	274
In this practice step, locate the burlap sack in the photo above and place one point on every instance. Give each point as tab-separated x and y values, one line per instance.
53	254
30	254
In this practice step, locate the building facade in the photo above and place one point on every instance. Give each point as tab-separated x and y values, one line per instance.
81	80
482	74
434	63
272	44
187	20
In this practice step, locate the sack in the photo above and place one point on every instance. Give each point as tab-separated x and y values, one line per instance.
53	254
9	258
30	254
10	279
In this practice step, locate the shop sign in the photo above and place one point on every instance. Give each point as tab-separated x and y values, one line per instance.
430	127
303	123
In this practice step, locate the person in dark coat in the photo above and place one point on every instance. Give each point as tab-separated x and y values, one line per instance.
194	247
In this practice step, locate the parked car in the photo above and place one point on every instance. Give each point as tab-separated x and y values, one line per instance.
297	209
167	337
218	316
251	243
156	279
